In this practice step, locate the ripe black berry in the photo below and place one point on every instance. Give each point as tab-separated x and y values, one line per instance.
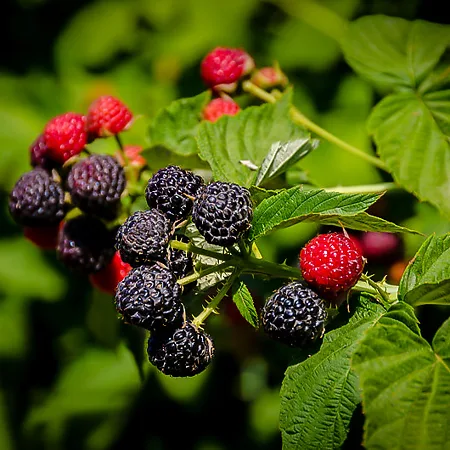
183	353
95	184
143	237
37	200
85	244
294	314
222	213
167	189
149	297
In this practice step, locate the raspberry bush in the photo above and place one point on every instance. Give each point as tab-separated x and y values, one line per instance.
225	206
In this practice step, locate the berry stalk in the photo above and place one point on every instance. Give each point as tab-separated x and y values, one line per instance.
214	303
203	273
302	120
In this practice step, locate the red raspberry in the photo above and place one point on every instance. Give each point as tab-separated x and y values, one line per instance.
219	107
225	66
381	247
106	117
269	77
133	155
65	136
331	264
108	278
45	238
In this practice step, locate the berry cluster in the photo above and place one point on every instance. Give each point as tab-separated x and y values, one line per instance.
331	264
150	296
223	69
70	198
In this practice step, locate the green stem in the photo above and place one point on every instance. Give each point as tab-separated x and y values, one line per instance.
204	273
214	303
191	248
255	265
365	188
300	119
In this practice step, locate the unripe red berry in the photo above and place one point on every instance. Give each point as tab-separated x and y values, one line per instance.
219	107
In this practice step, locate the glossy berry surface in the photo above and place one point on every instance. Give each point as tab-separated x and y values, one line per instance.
85	245
185	352
143	237
107	116
149	297
222	213
331	264
65	136
219	107
169	191
294	315
37	200
95	185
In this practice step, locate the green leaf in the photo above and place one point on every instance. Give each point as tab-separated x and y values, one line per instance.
405	384
392	52
232	142
25	272
282	155
175	126
413	139
426	280
259	194
326	207
319	395
244	303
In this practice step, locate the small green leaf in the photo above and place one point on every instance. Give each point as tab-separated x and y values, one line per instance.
405	384
282	155
412	138
392	52
427	279
319	395
326	207
259	194
244	303
175	126
234	144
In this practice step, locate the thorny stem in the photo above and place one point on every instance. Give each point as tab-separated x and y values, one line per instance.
302	120
191	248
214	303
383	293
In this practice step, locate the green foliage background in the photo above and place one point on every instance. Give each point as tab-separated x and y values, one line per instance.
68	379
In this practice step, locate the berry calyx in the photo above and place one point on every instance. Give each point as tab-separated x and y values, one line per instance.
219	107
170	190
107	279
65	136
225	65
331	264
149	297
269	78
95	185
37	200
294	315
222	213
185	352
144	237
107	116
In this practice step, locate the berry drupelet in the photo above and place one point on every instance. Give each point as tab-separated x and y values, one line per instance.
95	185
85	244
294	315
143	237
149	297
169	190
37	200
185	352
222	213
